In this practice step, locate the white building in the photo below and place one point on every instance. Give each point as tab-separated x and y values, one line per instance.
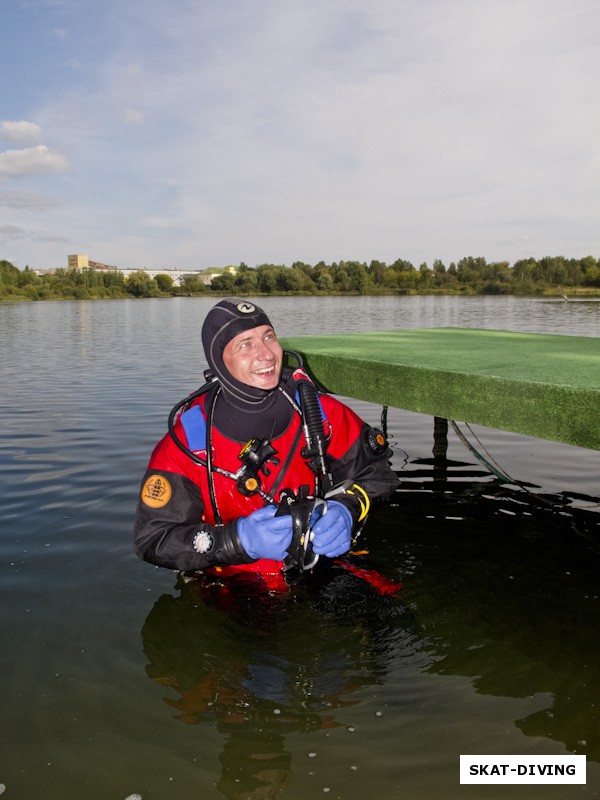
177	275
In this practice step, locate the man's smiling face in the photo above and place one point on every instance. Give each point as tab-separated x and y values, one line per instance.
255	357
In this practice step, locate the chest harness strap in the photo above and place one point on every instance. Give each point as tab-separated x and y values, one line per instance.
256	453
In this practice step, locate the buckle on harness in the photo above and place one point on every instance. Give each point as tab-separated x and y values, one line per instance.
305	512
254	456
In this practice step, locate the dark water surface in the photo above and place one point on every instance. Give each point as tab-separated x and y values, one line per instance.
118	680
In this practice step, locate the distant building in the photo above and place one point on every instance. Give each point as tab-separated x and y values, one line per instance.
177	275
78	262
208	275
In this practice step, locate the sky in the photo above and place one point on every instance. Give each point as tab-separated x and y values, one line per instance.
205	133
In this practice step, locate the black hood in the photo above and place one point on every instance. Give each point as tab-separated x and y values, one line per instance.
257	411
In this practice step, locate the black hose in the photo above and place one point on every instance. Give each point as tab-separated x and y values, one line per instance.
316	441
171	423
209	465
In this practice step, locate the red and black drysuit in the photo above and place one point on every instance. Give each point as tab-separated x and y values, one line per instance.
175	525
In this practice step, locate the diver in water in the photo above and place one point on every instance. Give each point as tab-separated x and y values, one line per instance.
260	472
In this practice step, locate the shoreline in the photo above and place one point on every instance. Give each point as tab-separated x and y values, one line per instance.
576	294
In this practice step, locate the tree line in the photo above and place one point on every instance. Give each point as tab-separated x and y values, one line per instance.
469	276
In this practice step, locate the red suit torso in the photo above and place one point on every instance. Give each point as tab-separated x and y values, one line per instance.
176	508
290	473
343	424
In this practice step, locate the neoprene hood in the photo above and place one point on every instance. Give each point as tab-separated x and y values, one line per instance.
224	321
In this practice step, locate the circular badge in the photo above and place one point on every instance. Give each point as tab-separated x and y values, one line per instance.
251	484
203	542
377	441
156	491
245	308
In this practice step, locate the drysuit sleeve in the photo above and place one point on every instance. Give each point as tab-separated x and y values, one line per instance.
168	528
358	453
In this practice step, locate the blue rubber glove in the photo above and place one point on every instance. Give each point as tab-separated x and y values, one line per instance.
263	535
333	532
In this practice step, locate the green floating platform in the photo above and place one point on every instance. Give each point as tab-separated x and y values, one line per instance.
539	385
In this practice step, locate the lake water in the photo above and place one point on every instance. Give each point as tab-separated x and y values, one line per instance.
118	680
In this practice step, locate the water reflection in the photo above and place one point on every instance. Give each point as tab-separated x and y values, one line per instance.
319	315
514	605
262	668
503	590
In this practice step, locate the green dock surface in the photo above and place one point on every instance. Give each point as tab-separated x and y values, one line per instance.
540	385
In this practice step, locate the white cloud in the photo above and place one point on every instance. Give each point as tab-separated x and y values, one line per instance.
264	131
131	117
31	161
21	131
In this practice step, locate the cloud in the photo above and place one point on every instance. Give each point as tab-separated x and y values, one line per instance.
269	131
27	201
131	117
31	161
51	238
21	131
15	232
11	232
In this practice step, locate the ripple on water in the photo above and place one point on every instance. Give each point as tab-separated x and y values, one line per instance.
492	582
